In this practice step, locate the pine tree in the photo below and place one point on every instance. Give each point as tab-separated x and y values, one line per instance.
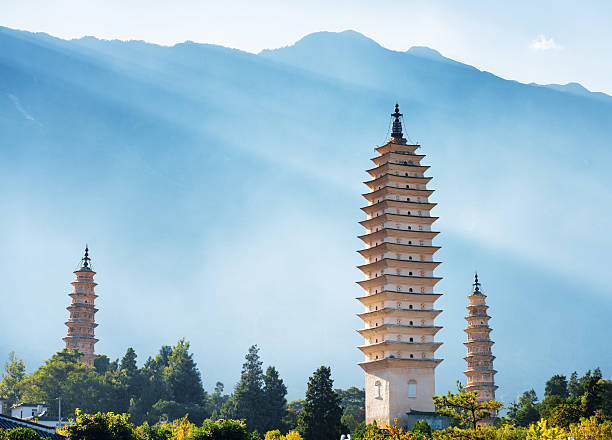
274	399
128	363
182	377
321	417
14	372
248	399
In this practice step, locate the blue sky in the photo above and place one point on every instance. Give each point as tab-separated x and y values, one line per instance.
543	42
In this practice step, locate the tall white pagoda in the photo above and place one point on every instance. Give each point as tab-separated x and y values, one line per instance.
399	298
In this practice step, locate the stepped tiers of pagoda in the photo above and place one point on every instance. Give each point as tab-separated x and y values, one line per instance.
81	323
399	298
480	373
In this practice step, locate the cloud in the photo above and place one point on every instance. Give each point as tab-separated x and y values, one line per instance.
543	43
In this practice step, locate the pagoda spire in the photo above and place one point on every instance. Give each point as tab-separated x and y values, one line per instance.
480	373
81	322
476	285
399	289
397	136
85	260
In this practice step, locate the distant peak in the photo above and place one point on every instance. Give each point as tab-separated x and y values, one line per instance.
347	37
426	52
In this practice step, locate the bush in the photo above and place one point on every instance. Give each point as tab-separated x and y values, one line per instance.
221	429
19	434
100	426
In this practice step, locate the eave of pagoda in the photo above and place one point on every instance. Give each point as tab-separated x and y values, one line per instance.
394	191
398	157
391	146
485	345
397	248
399	279
479	370
390	295
481	356
416	347
397	204
82	294
385	263
395	168
391	178
401	313
401	329
404	363
80	323
379	220
398	233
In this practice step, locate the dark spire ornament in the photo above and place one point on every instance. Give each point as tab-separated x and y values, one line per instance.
476	285
86	258
396	132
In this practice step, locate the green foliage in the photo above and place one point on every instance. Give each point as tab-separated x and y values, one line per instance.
155	432
556	386
275	401
221	429
564	414
352	401
14	372
247	402
464	407
164	410
321	416
350	422
421	429
65	376
19	434
128	363
526	411
182	377
100	426
368	432
294	408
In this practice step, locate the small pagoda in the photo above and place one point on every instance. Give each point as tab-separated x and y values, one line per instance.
480	373
81	323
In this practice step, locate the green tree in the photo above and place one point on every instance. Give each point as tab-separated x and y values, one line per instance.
182	376
556	386
128	362
592	399
294	408
102	364
217	400
221	429
14	372
274	393
464	407
321	417
100	426
526	411
352	401
564	415
549	404
248	398
574	387
65	376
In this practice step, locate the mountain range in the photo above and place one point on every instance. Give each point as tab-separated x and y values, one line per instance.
219	193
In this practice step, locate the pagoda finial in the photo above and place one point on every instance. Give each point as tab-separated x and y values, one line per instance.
396	132
476	285
86	258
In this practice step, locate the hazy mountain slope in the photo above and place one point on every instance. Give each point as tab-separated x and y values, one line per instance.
220	192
